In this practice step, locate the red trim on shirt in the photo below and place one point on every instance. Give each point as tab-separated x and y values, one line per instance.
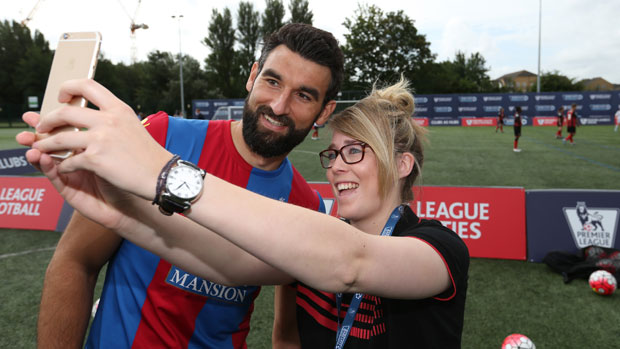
318	317
319	301
447	267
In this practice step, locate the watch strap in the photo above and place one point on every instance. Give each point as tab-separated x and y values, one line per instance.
168	206
161	179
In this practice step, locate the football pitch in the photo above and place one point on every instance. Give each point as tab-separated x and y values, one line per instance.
504	296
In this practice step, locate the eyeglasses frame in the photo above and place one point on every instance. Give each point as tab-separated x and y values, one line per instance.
339	153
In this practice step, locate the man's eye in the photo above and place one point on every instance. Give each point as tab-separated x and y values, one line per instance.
305	96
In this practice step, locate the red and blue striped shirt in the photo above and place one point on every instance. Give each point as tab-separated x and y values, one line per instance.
146	301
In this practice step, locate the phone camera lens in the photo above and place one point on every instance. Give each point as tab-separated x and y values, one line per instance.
65	36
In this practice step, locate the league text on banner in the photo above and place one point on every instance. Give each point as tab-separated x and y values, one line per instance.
491	221
29	203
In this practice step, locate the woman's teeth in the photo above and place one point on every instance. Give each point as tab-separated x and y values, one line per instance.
344	186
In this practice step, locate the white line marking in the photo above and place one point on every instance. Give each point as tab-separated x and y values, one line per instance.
305	151
8	255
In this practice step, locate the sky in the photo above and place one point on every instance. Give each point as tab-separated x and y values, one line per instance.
579	38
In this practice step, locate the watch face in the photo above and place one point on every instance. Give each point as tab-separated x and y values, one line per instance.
184	182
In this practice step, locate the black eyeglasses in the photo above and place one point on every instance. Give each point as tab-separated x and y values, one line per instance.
350	153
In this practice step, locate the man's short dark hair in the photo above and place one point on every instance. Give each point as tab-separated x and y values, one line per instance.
313	44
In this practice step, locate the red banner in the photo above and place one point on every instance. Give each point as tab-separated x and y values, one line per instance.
545	121
29	203
486	121
491	221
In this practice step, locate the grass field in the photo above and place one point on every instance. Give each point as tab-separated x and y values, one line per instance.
504	296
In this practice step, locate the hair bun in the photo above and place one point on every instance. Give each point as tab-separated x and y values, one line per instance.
399	96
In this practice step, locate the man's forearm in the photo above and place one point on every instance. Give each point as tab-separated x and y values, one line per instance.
66	303
285	334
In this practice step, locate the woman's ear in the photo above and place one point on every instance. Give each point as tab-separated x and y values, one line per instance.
405	163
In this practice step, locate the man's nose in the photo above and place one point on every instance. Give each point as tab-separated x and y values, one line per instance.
281	104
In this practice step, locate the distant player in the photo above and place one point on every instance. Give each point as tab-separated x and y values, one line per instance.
315	134
571	123
617	118
560	122
500	120
517	129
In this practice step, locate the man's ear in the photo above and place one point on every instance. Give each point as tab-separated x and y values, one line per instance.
405	163
327	111
253	74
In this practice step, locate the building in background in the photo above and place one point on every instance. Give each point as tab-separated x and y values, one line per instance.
597	84
521	81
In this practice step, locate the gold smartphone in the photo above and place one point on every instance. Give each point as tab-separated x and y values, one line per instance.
75	58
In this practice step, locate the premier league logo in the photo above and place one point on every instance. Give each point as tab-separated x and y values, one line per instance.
592	225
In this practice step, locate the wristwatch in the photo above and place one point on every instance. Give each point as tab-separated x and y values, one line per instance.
182	187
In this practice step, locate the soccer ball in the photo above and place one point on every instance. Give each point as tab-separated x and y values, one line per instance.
602	282
518	341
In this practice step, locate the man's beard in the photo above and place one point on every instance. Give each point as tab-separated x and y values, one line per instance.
267	143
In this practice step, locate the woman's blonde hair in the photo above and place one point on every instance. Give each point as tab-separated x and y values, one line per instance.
384	121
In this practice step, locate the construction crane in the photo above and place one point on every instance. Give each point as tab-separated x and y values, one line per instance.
31	14
133	26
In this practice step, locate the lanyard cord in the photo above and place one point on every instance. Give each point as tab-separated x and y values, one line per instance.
343	331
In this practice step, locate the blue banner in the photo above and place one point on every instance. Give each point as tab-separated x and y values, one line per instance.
205	108
13	162
569	220
593	108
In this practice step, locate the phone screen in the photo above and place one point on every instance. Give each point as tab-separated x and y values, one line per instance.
75	58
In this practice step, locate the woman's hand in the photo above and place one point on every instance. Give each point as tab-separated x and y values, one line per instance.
111	143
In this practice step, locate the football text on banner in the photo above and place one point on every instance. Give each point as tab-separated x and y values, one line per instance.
491	221
29	203
13	162
569	220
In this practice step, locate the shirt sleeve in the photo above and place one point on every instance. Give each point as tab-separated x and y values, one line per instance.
452	250
157	126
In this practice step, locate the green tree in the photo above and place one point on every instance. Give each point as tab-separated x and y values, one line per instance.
382	46
300	12
25	62
32	69
435	77
158	72
248	35
122	80
194	84
221	67
273	17
554	81
469	74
